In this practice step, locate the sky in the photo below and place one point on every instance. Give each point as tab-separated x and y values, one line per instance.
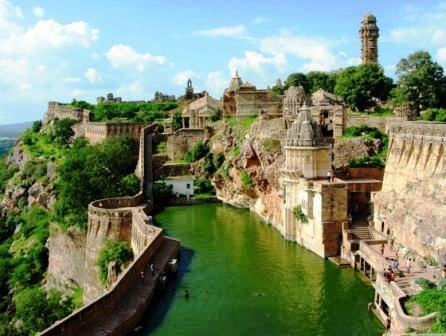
59	50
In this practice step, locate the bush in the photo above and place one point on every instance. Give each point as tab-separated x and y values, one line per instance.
434	114
271	145
177	120
299	214
37	126
62	131
161	193
425	283
198	151
203	186
366	162
246	179
5	174
215	115
130	185
234	151
218	160
114	250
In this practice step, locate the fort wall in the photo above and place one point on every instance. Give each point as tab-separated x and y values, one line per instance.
183	140
412	203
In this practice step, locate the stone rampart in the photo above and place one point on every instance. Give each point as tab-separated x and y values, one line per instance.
412	203
183	140
97	132
98	309
377	122
62	111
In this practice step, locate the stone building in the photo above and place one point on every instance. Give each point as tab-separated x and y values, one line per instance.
369	34
293	100
199	112
407	111
244	99
330	111
190	94
108	99
314	209
162	97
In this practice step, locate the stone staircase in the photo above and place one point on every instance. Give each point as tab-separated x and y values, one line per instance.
361	233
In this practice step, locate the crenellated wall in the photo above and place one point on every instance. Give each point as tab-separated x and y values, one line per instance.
62	111
97	132
412	203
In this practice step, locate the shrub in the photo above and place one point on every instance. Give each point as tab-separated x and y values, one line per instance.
234	151
5	174
424	283
366	161
161	148
177	120
114	250
246	179
218	160
161	193
37	126
130	185
215	115
62	131
203	186
299	214
271	145
198	151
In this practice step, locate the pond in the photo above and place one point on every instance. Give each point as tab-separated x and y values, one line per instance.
245	279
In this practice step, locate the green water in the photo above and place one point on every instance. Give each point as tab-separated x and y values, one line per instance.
244	279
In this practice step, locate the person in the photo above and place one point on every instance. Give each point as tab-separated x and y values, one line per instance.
409	265
186	293
152	269
142	277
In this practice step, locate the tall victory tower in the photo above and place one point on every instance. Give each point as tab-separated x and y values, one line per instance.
369	34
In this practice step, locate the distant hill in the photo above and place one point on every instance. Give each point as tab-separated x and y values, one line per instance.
12	131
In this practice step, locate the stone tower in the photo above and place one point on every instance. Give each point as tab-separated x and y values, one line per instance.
369	34
189	90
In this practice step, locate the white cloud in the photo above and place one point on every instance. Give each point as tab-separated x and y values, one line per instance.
216	82
441	55
259	20
93	76
254	62
124	56
223	31
48	34
72	80
181	77
315	51
39	12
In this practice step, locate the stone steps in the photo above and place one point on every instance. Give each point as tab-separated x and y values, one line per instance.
362	233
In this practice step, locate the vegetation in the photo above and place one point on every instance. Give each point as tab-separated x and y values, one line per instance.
368	134
299	214
420	80
203	186
116	251
90	173
360	85
177	122
246	179
198	151
161	192
132	111
271	145
5	146
434	114
161	147
5	174
431	299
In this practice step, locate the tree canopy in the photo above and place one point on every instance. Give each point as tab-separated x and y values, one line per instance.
359	85
420	80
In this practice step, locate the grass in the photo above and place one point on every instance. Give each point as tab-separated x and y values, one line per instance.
271	145
246	179
234	151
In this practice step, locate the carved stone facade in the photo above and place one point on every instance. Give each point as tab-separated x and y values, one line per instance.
369	34
330	111
244	99
306	190
198	113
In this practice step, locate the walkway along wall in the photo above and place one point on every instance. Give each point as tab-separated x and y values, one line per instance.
123	218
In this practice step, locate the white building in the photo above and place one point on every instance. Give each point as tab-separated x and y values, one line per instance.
181	185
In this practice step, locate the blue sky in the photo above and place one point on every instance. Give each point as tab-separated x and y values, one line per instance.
60	50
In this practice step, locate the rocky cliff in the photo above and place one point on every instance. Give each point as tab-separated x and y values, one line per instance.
250	175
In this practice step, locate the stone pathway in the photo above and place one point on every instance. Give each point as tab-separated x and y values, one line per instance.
134	301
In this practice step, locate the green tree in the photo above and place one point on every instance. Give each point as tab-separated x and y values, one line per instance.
359	85
177	121
296	79
420	80
161	193
114	250
62	131
321	80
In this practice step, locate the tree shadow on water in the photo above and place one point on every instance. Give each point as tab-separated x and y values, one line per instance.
155	313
